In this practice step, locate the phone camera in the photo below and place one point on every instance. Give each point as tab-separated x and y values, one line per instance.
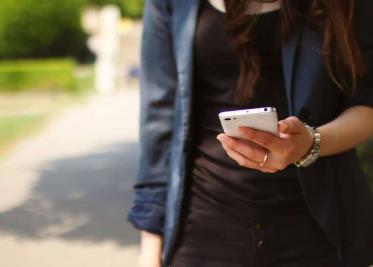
266	109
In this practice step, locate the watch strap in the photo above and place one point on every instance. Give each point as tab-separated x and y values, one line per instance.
314	152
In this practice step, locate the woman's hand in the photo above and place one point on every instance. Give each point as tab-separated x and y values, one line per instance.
293	142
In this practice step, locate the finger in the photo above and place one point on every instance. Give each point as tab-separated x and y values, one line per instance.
241	159
291	125
264	139
248	149
282	127
244	162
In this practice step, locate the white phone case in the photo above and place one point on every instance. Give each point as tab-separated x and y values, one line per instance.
263	119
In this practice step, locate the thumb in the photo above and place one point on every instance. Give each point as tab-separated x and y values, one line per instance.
290	125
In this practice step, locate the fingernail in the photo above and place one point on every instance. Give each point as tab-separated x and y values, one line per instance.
284	126
220	137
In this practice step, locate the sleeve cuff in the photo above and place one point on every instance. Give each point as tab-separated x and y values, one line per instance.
147	216
364	97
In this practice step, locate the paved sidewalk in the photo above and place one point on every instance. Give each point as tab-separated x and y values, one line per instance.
65	193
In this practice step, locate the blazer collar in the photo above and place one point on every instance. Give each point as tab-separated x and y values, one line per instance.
289	50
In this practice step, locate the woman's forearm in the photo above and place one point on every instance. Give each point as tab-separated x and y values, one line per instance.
151	244
352	127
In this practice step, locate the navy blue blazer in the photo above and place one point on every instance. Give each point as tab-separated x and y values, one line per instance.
335	188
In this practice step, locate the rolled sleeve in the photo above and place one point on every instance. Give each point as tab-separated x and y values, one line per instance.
363	97
147	212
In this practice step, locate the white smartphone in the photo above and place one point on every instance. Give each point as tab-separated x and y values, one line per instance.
263	119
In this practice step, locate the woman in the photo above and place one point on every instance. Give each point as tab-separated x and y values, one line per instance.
242	201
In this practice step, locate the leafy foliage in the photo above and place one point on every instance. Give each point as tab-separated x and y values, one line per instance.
49	28
40	28
133	8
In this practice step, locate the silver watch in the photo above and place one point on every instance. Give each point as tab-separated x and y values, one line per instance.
314	152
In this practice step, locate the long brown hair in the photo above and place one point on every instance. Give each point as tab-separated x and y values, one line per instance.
334	18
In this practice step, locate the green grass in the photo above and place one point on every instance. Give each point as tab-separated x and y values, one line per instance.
23	112
14	127
37	75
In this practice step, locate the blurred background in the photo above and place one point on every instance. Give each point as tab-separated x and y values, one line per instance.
69	108
68	131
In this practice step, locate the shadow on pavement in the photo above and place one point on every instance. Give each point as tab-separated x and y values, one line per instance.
81	198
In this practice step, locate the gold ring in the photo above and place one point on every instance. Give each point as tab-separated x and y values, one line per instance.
264	160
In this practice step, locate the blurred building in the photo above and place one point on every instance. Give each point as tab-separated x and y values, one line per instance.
116	44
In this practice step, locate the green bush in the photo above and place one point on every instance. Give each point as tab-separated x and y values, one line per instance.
49	28
37	75
104	2
41	28
133	8
130	8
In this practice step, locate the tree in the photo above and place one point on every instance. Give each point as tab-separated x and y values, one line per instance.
129	8
40	28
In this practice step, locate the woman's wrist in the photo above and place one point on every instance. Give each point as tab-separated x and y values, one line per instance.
313	150
331	140
351	128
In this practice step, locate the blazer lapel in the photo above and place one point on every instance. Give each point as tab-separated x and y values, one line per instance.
289	50
185	20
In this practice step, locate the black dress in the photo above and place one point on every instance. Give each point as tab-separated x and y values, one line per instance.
234	216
